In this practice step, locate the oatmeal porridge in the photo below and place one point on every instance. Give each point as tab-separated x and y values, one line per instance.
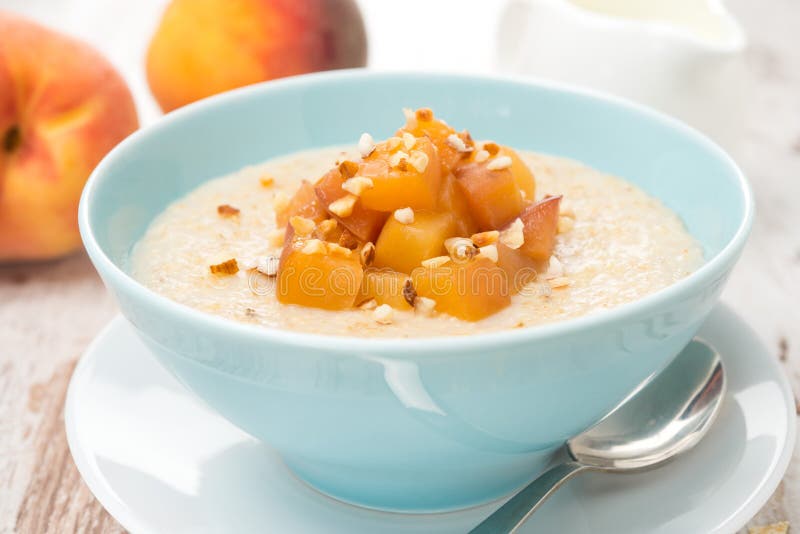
464	238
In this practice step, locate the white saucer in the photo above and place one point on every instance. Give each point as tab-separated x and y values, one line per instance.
160	461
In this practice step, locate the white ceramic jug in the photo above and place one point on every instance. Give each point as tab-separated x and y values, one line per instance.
684	57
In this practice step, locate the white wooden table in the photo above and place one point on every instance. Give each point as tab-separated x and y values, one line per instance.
49	312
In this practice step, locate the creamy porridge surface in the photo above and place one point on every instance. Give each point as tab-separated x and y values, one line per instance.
623	245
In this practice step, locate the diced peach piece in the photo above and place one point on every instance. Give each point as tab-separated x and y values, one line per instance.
403	247
523	175
492	195
399	184
517	266
452	200
424	124
540	225
364	223
386	287
304	203
311	276
469	291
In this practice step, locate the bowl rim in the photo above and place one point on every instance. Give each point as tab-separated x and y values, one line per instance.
401	345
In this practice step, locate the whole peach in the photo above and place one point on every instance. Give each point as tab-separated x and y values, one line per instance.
204	47
62	108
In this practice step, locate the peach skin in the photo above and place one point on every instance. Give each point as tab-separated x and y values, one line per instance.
205	47
62	108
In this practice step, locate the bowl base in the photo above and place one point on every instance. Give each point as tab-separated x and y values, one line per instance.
411	492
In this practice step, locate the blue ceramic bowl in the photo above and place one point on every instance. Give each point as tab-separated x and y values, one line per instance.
420	424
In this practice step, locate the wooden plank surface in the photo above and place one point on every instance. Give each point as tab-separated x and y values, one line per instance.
49	312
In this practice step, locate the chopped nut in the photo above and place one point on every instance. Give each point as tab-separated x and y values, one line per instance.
367	254
409	140
513	236
452	242
402	165
338	250
366	145
408	113
314	246
555	269
226	210
433	263
343	207
460	248
397	157
371	304
559	282
404	215
276	238
485	238
455	142
357	185
491	148
418	160
489	252
481	156
326	227
281	202
302	225
348	168
498	163
409	293
226	267
268	266
565	224
266	181
393	143
383	314
424	114
424	306
348	240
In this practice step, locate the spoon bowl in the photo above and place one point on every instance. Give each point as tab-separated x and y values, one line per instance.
664	417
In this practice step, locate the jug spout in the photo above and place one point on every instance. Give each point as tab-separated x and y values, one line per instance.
705	24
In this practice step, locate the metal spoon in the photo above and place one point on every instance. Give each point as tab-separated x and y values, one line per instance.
663	417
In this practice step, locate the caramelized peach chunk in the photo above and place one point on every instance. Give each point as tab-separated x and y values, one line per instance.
540	225
311	274
521	172
304	203
451	150
492	195
403	247
402	176
452	200
518	267
469	291
364	223
387	287
407	207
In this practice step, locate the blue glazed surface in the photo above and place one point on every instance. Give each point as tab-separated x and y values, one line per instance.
422	424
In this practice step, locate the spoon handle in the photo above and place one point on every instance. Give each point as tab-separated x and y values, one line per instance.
509	517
